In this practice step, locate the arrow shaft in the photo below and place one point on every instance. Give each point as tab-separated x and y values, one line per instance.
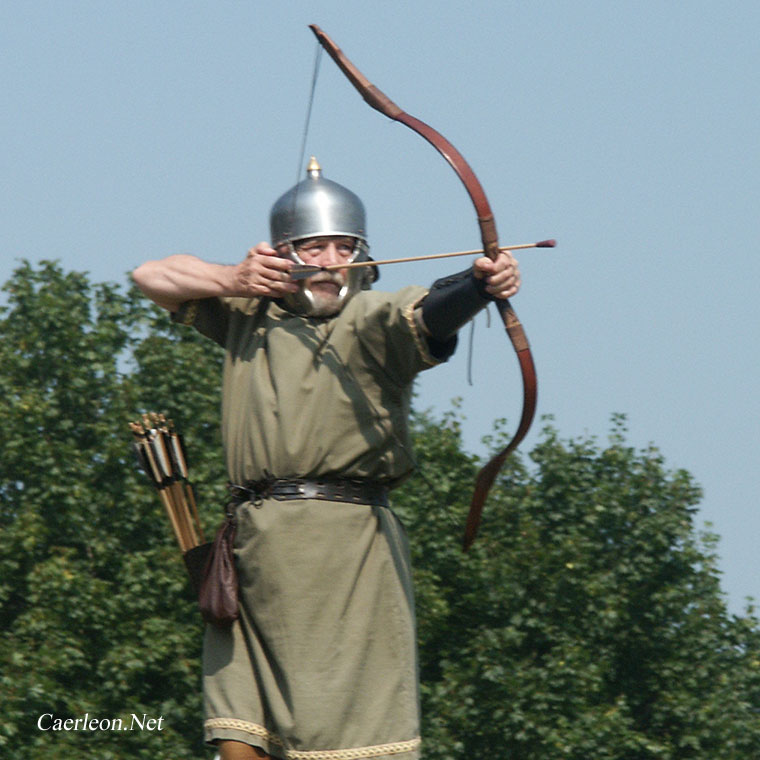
308	270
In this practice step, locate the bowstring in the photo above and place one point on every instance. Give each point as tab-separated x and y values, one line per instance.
314	77
470	349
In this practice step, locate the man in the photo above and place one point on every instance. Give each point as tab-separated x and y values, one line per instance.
317	384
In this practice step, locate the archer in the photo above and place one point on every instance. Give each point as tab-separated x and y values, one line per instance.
316	394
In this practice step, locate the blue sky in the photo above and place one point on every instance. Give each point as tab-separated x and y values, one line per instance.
628	131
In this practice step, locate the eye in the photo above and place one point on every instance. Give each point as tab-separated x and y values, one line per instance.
312	248
344	248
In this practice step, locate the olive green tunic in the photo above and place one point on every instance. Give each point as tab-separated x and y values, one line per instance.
322	663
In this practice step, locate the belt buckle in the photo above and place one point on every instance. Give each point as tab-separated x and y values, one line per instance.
309	489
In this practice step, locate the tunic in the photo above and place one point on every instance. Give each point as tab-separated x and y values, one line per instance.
322	663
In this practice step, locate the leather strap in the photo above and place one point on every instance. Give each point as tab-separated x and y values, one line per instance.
351	491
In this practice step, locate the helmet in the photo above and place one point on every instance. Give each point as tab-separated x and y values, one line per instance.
319	207
315	207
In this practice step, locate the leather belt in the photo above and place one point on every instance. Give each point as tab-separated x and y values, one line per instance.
337	489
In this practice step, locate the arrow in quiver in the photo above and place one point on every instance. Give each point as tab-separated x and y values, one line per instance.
161	454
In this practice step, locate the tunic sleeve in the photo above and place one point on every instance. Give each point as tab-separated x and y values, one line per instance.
209	316
387	330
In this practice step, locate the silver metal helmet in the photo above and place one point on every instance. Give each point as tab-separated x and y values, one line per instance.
319	207
316	207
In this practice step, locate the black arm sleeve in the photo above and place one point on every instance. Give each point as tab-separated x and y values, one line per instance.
452	302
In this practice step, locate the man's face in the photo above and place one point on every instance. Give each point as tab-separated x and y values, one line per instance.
326	288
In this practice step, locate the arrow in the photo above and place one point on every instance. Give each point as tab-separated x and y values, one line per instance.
307	270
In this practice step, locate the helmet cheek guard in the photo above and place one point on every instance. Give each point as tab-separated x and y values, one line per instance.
319	207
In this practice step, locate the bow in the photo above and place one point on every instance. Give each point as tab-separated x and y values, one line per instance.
381	102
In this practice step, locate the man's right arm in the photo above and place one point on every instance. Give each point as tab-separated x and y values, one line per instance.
172	281
176	279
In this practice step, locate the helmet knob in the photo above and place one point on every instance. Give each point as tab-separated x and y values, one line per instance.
313	170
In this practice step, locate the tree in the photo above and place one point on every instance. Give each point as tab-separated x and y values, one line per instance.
586	621
96	615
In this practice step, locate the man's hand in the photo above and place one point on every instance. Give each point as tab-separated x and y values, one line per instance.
502	275
182	277
263	273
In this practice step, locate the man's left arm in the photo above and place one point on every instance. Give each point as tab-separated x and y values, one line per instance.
454	300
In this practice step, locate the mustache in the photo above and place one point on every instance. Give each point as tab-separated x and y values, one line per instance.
334	277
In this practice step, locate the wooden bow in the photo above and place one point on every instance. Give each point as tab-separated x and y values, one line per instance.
381	102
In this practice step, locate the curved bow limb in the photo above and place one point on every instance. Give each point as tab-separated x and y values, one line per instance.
381	102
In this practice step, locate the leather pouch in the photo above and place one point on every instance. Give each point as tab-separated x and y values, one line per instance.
214	575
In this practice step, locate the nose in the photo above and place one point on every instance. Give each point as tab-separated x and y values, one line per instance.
330	255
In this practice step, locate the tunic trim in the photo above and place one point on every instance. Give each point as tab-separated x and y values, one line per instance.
419	341
353	753
187	313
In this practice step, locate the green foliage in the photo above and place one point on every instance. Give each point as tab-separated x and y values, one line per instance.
96	614
587	620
